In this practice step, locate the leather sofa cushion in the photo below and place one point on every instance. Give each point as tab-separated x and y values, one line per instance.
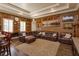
43	33
23	34
40	33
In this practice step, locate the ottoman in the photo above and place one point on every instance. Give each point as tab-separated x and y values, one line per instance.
30	39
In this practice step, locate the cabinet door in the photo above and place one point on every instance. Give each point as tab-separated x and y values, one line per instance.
77	30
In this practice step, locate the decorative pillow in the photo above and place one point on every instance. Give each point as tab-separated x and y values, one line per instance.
0	33
40	33
67	36
54	34
43	33
24	34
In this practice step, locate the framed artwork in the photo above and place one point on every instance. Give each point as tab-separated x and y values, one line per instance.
68	18
68	25
56	24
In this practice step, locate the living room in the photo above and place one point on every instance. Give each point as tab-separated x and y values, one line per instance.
52	29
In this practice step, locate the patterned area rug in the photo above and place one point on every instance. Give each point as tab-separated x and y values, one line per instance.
15	42
64	49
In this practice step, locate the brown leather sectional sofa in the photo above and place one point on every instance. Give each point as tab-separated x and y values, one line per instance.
63	37
52	36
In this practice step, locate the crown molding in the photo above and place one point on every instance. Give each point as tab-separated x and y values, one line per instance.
51	6
65	11
14	6
50	11
8	8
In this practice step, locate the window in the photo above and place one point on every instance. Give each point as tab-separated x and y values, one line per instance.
33	25
7	25
22	26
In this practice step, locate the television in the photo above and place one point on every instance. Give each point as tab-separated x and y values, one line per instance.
68	18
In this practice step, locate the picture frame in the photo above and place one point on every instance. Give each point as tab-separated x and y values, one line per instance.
68	25
68	18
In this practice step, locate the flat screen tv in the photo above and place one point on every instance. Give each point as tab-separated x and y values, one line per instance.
68	18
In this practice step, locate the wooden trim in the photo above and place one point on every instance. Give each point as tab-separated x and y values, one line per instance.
16	26
39	21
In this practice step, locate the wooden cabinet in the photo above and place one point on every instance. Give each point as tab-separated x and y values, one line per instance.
28	26
0	25
77	29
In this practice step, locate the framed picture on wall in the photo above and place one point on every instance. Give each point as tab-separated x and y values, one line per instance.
56	24
68	18
68	25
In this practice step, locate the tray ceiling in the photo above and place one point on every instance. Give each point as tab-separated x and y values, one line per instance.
35	10
33	6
